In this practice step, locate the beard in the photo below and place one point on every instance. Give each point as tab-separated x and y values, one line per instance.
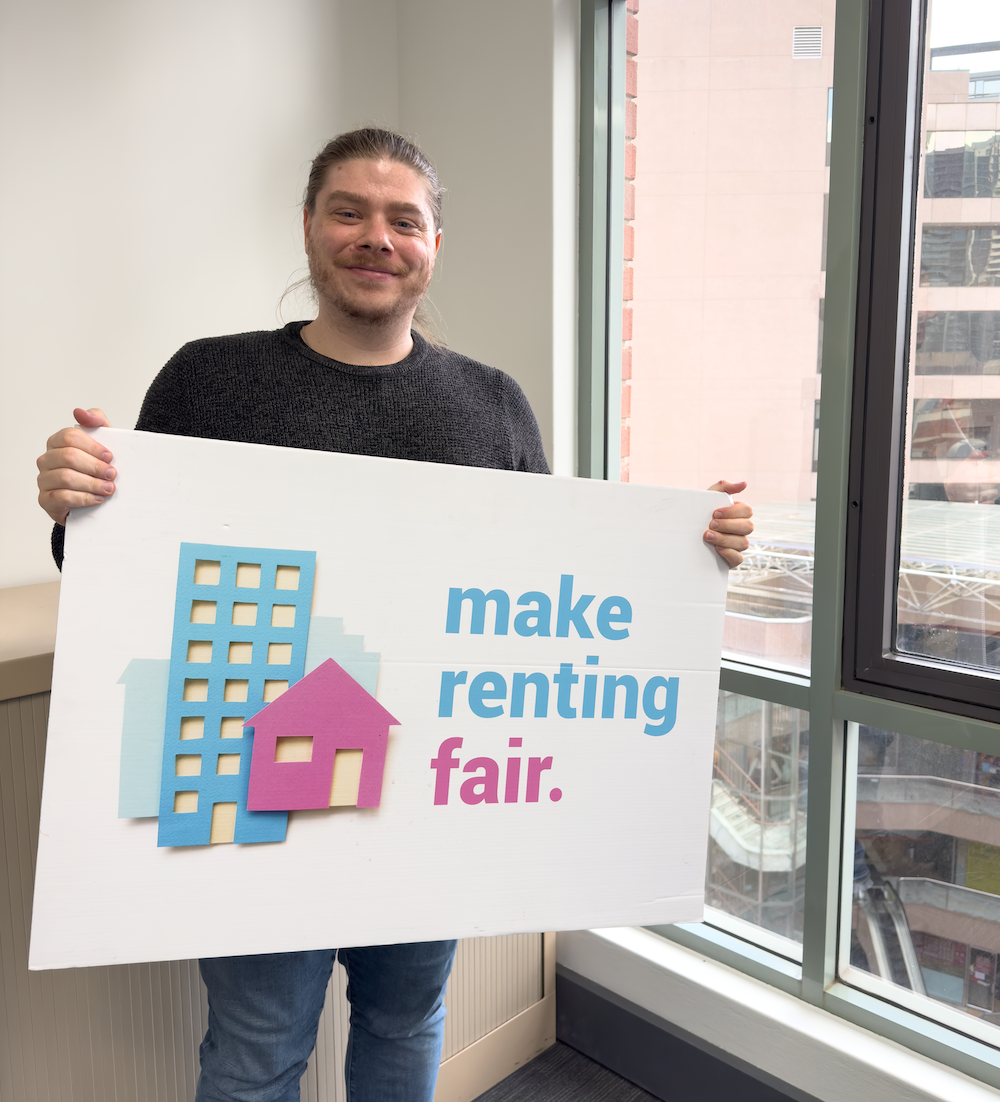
367	304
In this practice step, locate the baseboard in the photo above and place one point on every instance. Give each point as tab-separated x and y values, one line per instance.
485	1062
634	1044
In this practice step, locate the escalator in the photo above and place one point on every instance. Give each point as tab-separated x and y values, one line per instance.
880	939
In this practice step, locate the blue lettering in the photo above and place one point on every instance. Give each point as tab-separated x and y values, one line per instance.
477	598
541	684
449	679
478	692
590	689
565	679
614	610
611	686
668	713
569	613
535	621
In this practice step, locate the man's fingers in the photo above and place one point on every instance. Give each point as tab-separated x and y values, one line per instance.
733	541
76	461
732	558
74	437
58	503
725	487
70	477
92	418
732	527
737	509
65	478
730	547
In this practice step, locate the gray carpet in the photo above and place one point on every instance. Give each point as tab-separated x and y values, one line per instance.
561	1074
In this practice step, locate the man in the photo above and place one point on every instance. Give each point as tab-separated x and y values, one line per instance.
355	379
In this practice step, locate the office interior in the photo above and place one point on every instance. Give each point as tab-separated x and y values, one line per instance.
708	238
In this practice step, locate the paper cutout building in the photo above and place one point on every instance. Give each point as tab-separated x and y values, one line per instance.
332	710
241	622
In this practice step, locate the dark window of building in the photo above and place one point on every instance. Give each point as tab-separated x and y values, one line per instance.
962	165
960	256
955	428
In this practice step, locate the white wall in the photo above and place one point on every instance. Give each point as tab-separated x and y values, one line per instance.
155	154
489	89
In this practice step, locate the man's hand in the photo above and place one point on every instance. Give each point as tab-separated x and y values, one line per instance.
730	526
74	470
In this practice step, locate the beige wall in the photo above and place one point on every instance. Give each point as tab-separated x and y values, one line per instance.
155	155
728	230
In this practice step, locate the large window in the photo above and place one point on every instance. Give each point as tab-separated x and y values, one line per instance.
728	124
926	456
810	299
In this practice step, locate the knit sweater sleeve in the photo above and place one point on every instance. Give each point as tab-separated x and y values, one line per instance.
526	441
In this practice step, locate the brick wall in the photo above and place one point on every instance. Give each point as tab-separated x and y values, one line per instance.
631	90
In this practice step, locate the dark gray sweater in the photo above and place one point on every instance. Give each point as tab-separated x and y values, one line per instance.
270	387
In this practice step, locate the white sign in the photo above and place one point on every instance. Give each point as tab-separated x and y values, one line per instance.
304	699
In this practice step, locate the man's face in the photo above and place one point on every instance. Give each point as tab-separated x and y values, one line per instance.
371	241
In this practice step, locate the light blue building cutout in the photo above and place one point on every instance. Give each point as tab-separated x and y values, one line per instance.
241	625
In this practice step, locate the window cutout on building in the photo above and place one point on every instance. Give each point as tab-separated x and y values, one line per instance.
231	727
203	612
240	654
244	614
293	748
185	803
273	689
248	575
235	691
187	765
346	778
958	342
283	616
279	654
962	164
192	727
959	256
286	577
196	688
199	650
206	572
228	765
223	823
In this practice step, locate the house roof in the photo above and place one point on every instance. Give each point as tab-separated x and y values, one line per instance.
328	695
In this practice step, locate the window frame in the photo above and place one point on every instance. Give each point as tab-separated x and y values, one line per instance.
889	183
868	51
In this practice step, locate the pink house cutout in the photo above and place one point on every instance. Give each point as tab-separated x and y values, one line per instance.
338	714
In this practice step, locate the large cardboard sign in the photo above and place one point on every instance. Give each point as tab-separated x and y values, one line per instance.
309	700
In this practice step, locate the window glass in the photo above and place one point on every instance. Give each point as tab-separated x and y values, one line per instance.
725	247
925	911
948	595
757	844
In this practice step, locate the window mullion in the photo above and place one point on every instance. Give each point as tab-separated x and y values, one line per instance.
823	844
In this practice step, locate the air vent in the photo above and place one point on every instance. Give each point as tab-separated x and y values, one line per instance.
807	42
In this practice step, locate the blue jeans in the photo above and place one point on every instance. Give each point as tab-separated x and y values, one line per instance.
263	1012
